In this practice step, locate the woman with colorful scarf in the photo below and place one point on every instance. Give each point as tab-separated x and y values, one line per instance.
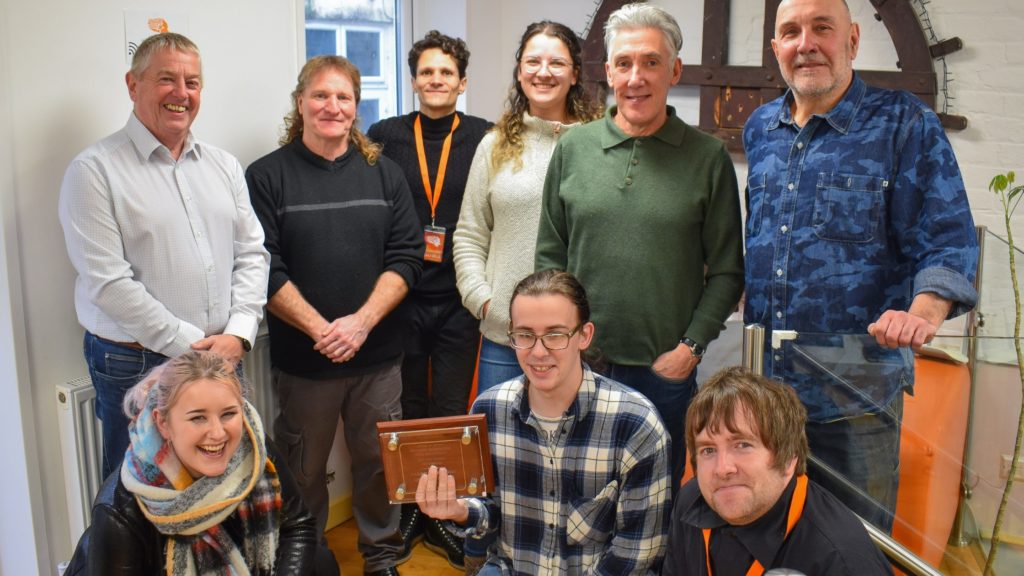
199	492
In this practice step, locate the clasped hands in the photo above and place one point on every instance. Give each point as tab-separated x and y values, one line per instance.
341	339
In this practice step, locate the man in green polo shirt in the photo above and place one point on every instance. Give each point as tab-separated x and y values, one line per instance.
644	210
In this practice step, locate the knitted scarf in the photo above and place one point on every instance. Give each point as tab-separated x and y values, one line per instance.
189	512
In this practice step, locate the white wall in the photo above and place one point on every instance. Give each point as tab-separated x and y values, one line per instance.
62	70
61	88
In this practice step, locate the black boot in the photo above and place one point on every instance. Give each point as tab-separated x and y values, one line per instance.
411	526
440	540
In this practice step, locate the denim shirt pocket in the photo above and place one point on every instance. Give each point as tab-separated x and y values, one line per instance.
755	202
848	207
592	520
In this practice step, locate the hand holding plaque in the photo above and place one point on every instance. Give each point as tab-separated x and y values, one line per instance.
457	443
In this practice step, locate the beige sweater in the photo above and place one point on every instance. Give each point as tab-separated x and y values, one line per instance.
496	238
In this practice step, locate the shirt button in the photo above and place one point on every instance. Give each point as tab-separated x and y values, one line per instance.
551	526
552	493
629	181
778	272
784	229
778	358
635	161
790	186
778	314
799	145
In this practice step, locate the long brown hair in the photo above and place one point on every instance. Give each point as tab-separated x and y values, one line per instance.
578	104
313	67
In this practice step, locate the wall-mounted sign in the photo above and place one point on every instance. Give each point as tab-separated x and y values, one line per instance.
141	24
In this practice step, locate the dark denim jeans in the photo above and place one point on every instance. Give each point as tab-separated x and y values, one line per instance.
114	369
671	398
863	455
498	364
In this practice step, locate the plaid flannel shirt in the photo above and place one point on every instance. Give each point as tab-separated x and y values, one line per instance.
595	500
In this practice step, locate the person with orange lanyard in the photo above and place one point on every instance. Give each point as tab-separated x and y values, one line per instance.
751	507
434	146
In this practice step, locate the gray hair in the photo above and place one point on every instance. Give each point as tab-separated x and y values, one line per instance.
156	43
643	15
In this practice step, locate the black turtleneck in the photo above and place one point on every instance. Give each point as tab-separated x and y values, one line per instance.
396	135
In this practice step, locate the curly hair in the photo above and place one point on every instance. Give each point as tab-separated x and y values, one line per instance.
313	68
454	47
579	105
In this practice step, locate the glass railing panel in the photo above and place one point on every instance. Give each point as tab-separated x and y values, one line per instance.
841	377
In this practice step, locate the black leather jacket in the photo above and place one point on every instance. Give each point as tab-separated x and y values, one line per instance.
122	542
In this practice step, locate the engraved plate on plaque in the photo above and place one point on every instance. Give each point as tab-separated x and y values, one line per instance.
459	443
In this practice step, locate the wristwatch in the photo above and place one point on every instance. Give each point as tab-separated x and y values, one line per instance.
246	345
696	349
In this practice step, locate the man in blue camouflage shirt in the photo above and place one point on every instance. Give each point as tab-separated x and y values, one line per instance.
857	220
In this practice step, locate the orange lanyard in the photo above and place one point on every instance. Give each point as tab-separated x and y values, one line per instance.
796	508
433	193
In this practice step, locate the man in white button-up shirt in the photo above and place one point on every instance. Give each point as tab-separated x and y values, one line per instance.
159	228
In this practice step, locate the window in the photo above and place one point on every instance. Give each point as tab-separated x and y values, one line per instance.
367	33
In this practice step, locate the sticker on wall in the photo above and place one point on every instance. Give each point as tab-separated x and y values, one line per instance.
141	24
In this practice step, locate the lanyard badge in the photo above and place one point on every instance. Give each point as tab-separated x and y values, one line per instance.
433	236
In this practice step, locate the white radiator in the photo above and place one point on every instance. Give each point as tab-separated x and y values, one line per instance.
81	438
81	445
256	368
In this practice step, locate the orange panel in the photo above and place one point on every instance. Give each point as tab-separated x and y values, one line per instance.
931	457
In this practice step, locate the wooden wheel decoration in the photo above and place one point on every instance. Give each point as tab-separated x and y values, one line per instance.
729	94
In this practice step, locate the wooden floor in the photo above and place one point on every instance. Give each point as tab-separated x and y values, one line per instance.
342	541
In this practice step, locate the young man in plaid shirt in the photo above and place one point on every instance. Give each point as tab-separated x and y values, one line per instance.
580	461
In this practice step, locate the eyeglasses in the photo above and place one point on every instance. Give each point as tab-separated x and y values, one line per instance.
556	66
551	340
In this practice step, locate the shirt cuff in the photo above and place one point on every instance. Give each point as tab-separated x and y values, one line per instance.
950	285
244	326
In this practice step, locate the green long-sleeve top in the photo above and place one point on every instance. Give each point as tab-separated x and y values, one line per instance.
651	227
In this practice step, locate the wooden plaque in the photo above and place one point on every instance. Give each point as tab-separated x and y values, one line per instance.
458	443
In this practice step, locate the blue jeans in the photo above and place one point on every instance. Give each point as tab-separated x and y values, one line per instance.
497	364
671	398
114	369
864	456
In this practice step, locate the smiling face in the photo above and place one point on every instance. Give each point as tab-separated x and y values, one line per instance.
166	96
328	109
546	73
815	43
641	69
203	426
551	373
437	83
736	473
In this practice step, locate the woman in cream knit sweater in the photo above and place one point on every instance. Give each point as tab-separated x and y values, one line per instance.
496	237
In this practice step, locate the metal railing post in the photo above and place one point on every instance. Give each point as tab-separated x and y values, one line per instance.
753	348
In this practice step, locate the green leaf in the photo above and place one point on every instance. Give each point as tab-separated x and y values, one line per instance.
999	183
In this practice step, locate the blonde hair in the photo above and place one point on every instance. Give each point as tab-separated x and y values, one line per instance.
293	121
167	380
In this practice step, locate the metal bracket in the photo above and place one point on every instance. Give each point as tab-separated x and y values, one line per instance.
778	336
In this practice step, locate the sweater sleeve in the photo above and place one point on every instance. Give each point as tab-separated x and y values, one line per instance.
553	233
403	253
472	238
723	254
265	200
